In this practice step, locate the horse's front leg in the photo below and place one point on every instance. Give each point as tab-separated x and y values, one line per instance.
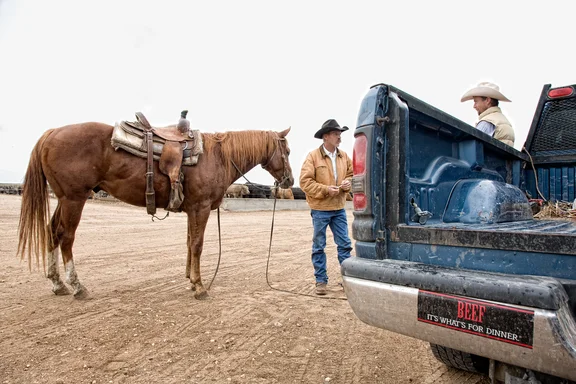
196	226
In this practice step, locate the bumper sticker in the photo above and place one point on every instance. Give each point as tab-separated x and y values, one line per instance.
495	321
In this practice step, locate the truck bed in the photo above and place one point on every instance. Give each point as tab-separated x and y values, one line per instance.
544	236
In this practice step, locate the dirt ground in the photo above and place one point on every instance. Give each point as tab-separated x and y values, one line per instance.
142	324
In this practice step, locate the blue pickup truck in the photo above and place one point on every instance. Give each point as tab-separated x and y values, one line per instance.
447	248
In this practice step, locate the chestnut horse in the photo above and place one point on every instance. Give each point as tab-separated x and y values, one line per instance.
77	159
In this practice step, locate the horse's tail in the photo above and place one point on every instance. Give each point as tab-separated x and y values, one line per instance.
33	231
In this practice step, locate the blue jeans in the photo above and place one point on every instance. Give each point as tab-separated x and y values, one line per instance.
339	227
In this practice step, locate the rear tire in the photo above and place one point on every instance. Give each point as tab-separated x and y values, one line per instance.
460	360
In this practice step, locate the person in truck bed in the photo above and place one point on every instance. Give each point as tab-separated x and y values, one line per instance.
491	119
326	179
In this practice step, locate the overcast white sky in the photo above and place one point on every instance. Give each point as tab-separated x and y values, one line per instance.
266	65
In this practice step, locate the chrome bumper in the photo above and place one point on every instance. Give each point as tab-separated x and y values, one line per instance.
395	308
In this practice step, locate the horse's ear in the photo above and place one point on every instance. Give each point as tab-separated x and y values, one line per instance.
284	132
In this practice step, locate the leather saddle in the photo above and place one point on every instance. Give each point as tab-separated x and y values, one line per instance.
173	146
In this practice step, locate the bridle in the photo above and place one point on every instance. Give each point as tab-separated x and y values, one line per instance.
286	174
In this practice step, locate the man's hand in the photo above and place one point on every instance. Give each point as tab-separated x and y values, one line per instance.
333	190
346	185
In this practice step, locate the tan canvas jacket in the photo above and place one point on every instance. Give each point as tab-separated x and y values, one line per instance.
503	130
317	174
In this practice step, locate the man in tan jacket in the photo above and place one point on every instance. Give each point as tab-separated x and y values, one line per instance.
491	120
326	179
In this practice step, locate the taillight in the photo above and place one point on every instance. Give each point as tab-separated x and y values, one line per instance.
359	155
359	201
560	92
359	168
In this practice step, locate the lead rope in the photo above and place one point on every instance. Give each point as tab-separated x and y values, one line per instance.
268	264
269	247
219	251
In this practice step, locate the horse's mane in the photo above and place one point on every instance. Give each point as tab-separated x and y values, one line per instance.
245	147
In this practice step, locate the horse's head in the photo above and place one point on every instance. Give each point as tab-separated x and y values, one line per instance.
277	163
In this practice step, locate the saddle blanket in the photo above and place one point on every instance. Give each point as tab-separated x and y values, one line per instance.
132	140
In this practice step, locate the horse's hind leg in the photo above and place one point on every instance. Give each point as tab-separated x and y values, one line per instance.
58	286
70	218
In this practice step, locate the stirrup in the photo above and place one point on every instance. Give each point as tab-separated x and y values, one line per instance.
176	197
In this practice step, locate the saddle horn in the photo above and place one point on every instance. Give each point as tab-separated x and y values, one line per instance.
183	124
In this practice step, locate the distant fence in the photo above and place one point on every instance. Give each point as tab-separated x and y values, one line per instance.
11	189
16	189
261	191
268	205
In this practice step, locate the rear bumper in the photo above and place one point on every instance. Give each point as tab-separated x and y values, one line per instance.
404	297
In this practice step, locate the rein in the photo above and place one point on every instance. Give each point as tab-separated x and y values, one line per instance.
285	176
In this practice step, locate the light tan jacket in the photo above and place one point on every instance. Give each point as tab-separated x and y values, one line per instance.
317	174
503	131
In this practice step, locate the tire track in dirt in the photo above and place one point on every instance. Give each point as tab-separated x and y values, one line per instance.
446	375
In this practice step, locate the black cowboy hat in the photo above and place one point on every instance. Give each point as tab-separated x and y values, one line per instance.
329	126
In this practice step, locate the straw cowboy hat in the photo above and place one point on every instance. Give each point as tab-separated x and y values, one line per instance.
485	89
329	126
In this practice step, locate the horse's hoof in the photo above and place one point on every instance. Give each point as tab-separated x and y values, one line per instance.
60	290
192	287
81	294
201	295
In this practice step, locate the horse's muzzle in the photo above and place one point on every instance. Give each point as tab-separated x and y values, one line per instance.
286	182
